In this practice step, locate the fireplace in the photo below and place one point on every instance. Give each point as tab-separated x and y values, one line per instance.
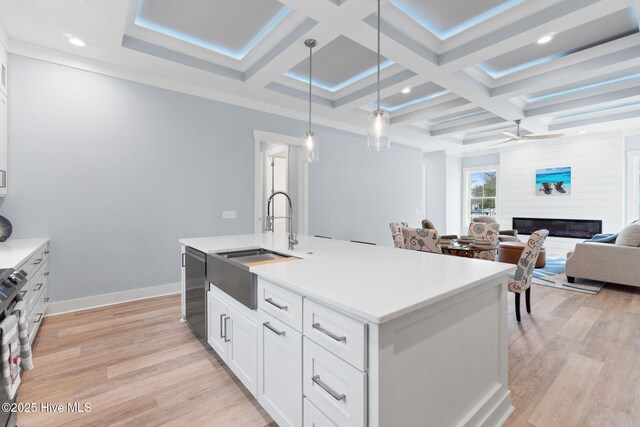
572	228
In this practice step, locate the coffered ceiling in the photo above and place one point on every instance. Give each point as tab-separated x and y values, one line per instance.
455	73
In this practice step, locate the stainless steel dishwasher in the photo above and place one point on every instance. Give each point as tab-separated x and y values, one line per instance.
195	263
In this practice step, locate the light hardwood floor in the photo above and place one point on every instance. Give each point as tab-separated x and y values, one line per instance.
575	361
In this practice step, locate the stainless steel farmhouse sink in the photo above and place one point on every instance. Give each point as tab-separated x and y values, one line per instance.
229	271
251	256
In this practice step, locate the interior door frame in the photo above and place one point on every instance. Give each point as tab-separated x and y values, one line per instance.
302	219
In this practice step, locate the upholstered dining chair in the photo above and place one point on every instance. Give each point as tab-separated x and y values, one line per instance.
421	239
521	280
504	235
429	226
488	232
396	233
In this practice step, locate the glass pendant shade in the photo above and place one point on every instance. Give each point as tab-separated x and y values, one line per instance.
311	147
378	135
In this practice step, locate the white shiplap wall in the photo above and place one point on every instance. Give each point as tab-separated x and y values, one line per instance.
597	184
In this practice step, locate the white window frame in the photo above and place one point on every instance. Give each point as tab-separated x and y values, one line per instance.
633	185
466	206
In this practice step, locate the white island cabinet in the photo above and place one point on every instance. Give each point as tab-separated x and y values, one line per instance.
359	335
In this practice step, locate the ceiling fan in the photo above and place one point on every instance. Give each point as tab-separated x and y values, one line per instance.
518	137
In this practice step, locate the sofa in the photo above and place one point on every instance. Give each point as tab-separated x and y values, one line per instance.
614	263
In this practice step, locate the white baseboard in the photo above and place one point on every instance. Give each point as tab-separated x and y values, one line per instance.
77	304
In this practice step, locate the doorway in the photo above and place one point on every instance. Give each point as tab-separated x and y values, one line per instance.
276	178
280	166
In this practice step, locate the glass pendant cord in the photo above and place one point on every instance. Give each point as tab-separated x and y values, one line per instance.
378	103
310	70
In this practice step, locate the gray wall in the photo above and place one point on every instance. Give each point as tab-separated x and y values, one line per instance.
492	159
115	172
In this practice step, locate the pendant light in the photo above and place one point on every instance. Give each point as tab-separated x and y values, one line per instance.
310	139
378	134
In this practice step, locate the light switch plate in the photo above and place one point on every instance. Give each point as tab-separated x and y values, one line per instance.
229	214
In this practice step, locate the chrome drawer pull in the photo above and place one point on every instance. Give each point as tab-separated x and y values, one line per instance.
47	273
275	304
39	318
46	299
39	286
22	294
328	333
38	261
221	333
336	396
225	329
46	252
274	330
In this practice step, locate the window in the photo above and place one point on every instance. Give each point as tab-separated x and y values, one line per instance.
480	193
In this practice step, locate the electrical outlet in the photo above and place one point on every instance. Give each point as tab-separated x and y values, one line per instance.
229	214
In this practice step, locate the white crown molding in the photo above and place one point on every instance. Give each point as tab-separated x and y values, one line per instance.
95	301
98	67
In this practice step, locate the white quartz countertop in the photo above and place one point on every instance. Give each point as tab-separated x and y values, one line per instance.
14	251
375	283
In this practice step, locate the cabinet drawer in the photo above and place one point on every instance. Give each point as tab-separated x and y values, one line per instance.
336	388
280	303
280	370
343	336
35	318
36	282
313	417
35	261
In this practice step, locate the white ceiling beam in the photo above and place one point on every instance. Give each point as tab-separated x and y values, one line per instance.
331	21
586	102
451	106
467	126
625	115
560	17
574	73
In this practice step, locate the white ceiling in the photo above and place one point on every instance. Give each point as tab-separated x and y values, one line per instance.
473	67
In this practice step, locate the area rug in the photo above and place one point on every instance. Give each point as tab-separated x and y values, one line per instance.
554	275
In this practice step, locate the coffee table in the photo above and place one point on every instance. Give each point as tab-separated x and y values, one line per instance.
463	249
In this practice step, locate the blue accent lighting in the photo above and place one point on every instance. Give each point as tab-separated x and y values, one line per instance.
341	85
239	55
425	98
581	88
444	34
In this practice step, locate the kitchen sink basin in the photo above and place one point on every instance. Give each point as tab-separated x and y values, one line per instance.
229	272
252	256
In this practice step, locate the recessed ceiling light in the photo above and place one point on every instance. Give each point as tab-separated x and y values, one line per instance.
582	132
406	90
545	39
77	42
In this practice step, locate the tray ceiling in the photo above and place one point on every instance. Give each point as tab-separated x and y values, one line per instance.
469	69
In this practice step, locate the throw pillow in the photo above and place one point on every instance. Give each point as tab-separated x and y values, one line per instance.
630	235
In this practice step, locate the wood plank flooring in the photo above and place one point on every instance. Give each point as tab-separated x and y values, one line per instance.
575	361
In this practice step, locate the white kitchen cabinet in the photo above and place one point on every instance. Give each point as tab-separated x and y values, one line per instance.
242	348
234	337
3	69
217	312
280	370
3	144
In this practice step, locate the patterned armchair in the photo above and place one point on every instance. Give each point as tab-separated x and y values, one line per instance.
521	280
505	235
421	239
485	231
396	233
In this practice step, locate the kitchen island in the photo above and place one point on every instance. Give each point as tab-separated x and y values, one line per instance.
354	334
